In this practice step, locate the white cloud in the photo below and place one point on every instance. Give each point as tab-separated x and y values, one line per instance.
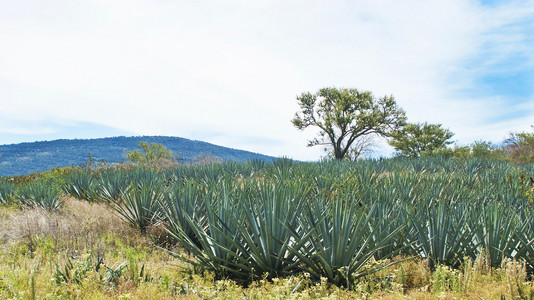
186	68
26	130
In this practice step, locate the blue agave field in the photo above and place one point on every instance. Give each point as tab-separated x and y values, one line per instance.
258	220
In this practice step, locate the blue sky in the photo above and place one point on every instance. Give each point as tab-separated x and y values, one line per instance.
228	72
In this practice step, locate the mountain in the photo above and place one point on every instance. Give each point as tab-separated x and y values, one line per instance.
27	158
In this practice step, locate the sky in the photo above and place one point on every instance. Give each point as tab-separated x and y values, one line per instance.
229	72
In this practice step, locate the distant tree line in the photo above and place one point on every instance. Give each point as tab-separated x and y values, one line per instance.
28	158
347	120
157	156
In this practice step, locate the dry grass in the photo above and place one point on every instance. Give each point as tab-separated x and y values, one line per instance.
78	224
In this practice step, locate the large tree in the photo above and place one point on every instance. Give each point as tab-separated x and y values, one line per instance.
345	115
417	139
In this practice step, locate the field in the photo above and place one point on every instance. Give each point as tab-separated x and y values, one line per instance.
421	228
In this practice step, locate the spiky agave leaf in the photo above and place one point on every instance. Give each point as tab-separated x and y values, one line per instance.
497	232
112	183
183	201
217	244
443	231
271	221
81	185
7	190
339	240
524	236
40	195
140	204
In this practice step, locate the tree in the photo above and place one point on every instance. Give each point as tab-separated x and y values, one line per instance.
421	139
152	155
485	149
519	147
362	145
345	115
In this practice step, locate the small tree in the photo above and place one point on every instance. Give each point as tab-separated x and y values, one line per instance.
421	139
485	149
345	115
520	147
155	155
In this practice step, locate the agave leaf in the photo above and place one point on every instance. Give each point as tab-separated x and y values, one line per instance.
140	204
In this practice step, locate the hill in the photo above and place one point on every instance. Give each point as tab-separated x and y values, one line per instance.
27	158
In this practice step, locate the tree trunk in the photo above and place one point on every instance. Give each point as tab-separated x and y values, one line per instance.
338	153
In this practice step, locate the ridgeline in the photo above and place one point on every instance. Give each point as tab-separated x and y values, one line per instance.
27	158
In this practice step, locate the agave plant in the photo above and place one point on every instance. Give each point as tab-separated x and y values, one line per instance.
183	202
7	189
216	244
248	233
257	164
443	231
40	195
112	183
81	185
272	221
330	218
497	232
339	240
140	204
524	235
140	175
385	216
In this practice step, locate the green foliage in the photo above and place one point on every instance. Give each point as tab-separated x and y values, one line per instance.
114	273
315	227
451	211
345	115
478	149
75	271
415	140
446	279
151	154
457	152
56	175
277	238
79	271
484	149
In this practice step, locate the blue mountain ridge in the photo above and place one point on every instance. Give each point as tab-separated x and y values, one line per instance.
27	158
